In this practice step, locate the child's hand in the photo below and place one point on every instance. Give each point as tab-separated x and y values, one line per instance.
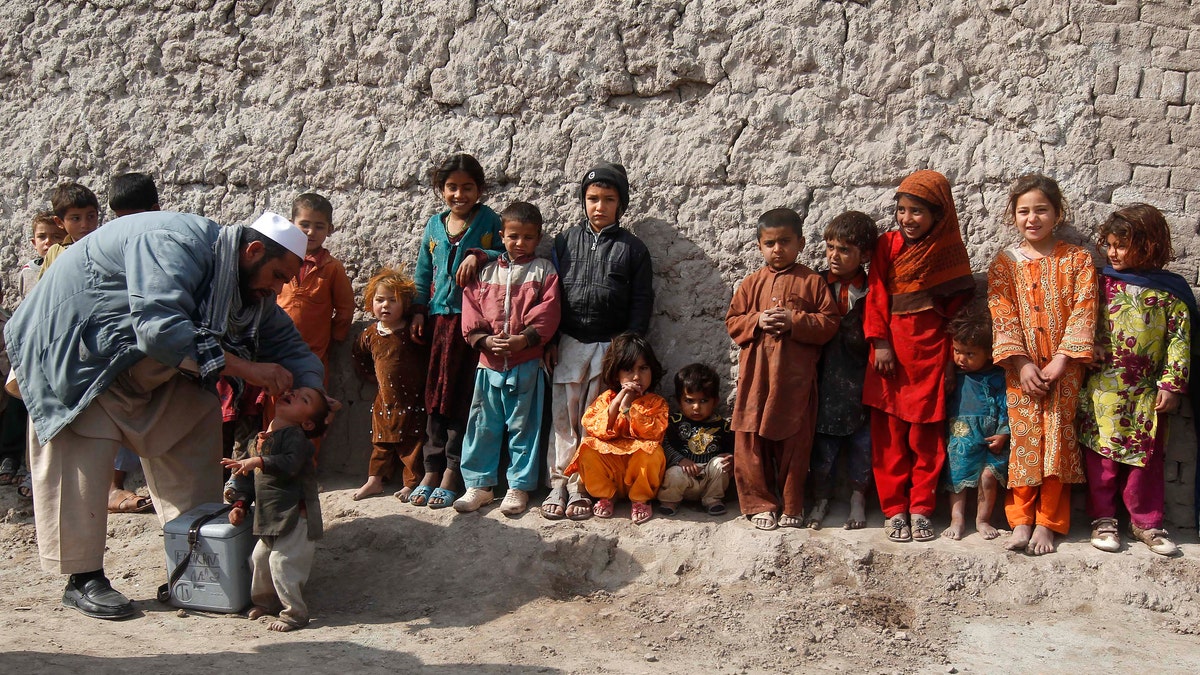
242	467
726	461
1055	369
1033	382
689	467
997	443
784	318
550	357
416	328
466	271
885	359
236	515
507	345
1166	401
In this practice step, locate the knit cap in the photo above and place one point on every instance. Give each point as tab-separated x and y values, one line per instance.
607	172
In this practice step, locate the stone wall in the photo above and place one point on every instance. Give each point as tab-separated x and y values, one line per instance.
719	109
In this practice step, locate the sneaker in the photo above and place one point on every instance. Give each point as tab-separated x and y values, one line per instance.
473	499
515	502
1156	539
1105	535
96	598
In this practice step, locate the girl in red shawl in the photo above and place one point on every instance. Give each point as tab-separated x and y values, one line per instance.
920	276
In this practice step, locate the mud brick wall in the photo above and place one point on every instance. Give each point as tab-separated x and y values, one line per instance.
720	110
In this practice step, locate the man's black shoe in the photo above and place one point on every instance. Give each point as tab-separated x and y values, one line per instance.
94	596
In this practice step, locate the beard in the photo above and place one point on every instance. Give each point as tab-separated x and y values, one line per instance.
246	276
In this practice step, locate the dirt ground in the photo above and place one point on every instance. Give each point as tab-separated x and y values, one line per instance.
397	588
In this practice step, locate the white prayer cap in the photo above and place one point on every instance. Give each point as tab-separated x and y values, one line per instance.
283	232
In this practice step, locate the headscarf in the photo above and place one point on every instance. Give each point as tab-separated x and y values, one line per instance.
938	265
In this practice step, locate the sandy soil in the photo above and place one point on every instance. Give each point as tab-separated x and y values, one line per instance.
398	588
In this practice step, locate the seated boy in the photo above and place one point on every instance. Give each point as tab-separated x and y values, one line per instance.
287	517
779	318
698	444
843	424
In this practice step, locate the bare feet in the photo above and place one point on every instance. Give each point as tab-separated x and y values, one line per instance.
1020	538
373	486
1042	541
818	514
281	627
985	528
256	612
403	494
956	529
858	511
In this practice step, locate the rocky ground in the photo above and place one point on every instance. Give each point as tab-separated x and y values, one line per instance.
399	588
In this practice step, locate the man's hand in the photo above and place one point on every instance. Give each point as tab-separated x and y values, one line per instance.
272	377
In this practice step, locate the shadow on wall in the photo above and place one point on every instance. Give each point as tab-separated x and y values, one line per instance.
692	297
306	657
494	567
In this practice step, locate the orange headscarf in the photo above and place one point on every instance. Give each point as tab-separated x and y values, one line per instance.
938	265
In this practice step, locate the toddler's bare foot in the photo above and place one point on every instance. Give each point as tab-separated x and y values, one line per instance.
985	528
858	511
281	627
818	514
373	486
1042	541
1020	538
955	531
256	612
403	494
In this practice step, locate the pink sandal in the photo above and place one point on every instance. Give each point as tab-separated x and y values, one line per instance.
603	508
640	512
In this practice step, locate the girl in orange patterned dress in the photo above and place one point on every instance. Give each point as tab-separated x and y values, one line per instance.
1042	294
621	453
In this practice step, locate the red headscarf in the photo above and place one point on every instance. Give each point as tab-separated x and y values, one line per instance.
938	265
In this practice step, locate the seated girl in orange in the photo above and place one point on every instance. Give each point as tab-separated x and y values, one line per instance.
621	453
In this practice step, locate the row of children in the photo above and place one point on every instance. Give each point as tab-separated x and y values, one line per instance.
881	348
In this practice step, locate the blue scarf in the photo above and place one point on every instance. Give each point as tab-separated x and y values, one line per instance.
1162	280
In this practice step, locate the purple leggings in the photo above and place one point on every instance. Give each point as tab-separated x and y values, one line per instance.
1141	487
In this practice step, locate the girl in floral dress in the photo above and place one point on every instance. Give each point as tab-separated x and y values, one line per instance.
1042	294
1143	348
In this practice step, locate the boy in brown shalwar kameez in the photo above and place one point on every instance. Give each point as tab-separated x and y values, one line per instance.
779	317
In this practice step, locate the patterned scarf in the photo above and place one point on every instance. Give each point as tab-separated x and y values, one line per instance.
225	324
938	265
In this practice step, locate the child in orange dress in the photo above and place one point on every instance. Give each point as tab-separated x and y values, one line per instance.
1042	294
621	453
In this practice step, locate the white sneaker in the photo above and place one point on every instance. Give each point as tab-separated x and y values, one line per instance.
515	502
473	499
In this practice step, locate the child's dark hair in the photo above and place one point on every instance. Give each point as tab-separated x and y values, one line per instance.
522	212
623	354
313	202
698	379
398	282
461	162
320	418
781	218
1144	231
42	218
132	192
854	228
72	196
1044	184
972	326
934	209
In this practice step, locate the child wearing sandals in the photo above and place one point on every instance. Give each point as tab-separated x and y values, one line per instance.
509	313
779	318
1143	349
920	276
977	424
1042	294
456	243
387	356
607	283
843	425
698	445
621	454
